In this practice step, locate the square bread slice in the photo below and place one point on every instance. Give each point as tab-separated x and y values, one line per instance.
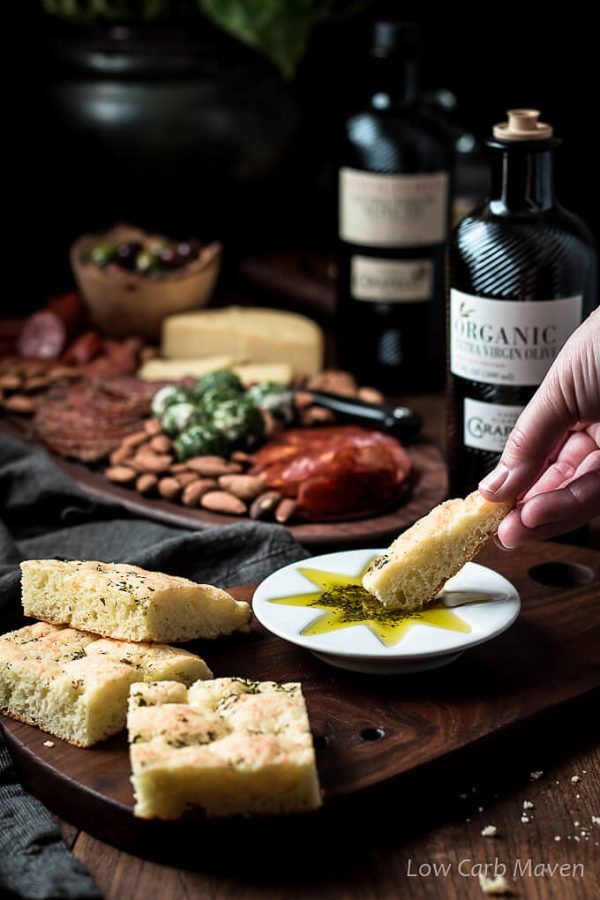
75	685
418	564
126	602
229	746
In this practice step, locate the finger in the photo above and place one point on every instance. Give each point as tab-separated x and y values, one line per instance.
578	447
554	512
569	394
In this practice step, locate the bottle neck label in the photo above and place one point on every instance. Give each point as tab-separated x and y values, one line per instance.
377	280
508	342
393	210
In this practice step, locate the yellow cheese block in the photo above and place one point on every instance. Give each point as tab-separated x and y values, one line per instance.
246	334
250	373
174	369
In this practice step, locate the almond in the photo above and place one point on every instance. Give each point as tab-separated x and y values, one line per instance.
36	383
264	504
19	403
146	483
161	444
286	510
146	461
10	382
152	427
316	415
185	478
194	491
120	455
176	468
370	395
209	466
240	456
246	487
223	502
120	474
169	488
134	440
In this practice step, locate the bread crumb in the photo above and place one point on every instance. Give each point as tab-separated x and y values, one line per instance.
480	809
575	779
48	743
527	804
535	775
494	886
489	831
557	837
576	824
525	819
596	820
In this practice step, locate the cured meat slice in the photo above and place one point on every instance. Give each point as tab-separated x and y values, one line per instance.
336	470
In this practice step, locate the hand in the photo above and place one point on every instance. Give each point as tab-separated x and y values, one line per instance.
551	461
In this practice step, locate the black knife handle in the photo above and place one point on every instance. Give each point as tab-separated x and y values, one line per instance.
400	420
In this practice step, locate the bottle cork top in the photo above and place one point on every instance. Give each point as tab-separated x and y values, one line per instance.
523	125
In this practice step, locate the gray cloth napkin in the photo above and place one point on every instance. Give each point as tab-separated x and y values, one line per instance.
44	514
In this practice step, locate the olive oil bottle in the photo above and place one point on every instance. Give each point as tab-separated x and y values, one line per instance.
394	212
522	276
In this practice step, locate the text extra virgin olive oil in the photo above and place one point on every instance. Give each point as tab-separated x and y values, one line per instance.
522	277
394	209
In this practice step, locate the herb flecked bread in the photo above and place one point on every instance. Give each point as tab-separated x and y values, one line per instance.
126	602
228	746
417	564
76	685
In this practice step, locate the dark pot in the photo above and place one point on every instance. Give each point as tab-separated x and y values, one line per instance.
176	130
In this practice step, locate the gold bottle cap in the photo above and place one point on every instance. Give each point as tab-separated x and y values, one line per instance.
523	125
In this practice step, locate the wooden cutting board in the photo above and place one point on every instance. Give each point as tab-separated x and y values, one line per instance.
368	729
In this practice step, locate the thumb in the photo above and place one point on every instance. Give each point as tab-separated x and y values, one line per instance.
568	395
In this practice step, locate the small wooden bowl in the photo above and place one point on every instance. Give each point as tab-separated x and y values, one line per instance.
123	303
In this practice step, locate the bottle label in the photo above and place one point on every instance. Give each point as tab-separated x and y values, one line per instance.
393	210
391	281
509	342
488	425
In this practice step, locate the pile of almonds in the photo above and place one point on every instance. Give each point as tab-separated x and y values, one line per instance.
144	460
23	382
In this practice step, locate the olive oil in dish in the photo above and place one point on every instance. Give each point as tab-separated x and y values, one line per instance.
523	275
394	212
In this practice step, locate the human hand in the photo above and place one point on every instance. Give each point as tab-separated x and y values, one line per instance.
551	461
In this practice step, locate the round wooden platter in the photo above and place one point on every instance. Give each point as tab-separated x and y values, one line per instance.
368	730
428	487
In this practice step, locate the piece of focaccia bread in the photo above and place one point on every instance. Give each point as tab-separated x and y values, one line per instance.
228	746
419	562
126	602
75	685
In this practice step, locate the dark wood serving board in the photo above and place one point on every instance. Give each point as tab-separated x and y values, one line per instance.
368	729
428	488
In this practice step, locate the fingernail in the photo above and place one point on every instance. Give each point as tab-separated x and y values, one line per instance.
494	481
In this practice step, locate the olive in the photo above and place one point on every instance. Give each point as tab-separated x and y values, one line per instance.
145	262
168	396
188	250
239	421
223	379
169	258
198	440
102	254
276	399
127	253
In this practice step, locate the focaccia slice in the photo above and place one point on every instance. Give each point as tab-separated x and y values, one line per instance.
417	564
228	746
76	685
126	602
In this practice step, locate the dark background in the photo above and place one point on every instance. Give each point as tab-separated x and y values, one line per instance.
496	58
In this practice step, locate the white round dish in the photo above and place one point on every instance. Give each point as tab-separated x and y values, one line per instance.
420	645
